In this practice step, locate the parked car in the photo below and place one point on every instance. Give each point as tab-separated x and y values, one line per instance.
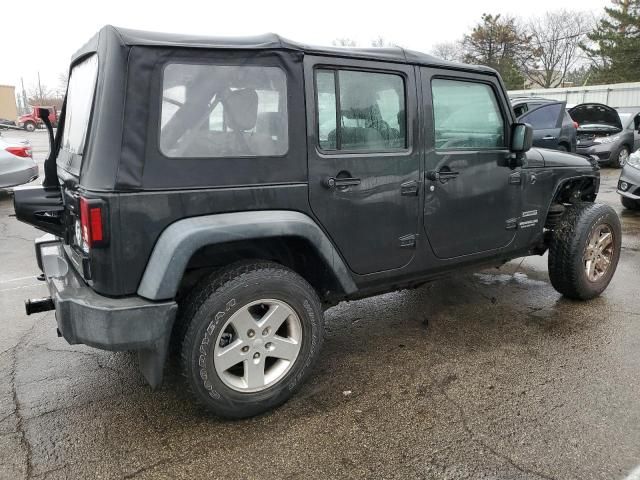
203	197
629	182
552	126
31	120
603	133
16	163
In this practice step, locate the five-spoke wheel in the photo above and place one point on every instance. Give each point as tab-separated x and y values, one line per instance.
258	345
253	332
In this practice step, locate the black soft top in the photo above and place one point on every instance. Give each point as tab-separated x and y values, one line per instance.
268	41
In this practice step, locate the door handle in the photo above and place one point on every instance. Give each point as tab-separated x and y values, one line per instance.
341	182
435	176
549	137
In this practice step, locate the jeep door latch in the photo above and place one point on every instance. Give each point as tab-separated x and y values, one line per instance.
441	175
341	182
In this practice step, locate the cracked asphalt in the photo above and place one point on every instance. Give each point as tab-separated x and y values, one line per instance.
485	375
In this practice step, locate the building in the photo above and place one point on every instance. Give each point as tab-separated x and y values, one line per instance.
8	109
614	95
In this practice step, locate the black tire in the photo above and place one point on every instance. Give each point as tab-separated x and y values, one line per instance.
569	245
562	148
30	126
207	311
616	162
630	203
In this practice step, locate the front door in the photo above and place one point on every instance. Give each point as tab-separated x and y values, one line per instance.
472	200
363	169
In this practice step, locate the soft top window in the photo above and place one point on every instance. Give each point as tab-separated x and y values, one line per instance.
81	90
223	111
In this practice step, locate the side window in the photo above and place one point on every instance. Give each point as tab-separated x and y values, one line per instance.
466	115
223	111
544	117
326	101
360	110
520	109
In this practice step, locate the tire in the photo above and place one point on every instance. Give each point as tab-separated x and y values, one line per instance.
30	126
630	203
562	148
570	247
621	158
221	317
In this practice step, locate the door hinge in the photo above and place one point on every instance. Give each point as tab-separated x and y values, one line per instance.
515	178
511	224
409	188
408	241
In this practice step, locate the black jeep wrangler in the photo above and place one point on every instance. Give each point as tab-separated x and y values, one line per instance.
217	194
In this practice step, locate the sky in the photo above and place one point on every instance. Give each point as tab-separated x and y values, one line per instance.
67	24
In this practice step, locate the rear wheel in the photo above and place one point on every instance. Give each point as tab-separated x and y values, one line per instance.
584	250
562	148
254	332
630	203
622	157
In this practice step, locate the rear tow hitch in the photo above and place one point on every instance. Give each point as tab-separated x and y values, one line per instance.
37	305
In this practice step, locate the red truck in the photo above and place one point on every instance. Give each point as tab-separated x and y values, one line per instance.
31	120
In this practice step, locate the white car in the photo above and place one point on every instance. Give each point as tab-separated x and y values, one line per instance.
17	165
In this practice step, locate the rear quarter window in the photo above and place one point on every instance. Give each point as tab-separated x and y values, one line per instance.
211	111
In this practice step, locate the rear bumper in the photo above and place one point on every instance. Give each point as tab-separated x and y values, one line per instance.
83	316
19	177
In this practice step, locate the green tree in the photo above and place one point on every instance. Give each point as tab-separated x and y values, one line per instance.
614	47
497	42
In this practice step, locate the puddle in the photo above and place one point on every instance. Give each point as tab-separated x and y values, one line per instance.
518	278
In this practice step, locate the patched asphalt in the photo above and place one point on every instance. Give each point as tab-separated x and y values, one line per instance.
489	374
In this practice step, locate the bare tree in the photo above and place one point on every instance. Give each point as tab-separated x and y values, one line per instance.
555	46
380	41
344	42
451	51
63	81
42	95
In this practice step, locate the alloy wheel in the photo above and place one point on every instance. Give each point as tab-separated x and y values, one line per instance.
599	253
258	345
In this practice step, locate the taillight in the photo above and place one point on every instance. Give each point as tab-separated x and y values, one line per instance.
91	223
24	152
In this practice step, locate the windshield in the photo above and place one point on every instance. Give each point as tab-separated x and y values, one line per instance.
82	86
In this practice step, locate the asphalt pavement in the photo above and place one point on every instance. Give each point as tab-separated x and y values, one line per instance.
489	374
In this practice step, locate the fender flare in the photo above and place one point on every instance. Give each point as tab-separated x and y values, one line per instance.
180	240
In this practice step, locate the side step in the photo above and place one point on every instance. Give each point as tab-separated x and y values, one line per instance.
37	305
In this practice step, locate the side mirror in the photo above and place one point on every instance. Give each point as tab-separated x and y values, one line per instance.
521	137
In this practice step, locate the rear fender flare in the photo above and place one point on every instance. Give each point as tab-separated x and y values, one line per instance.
180	240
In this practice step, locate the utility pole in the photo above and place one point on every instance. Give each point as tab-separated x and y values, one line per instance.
39	88
24	97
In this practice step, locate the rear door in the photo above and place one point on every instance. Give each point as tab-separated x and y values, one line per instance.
363	168
546	121
472	200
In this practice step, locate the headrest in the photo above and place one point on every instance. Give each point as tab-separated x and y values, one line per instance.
241	109
271	124
360	103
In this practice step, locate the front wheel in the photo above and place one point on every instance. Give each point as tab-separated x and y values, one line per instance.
584	250
622	157
254	332
30	126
